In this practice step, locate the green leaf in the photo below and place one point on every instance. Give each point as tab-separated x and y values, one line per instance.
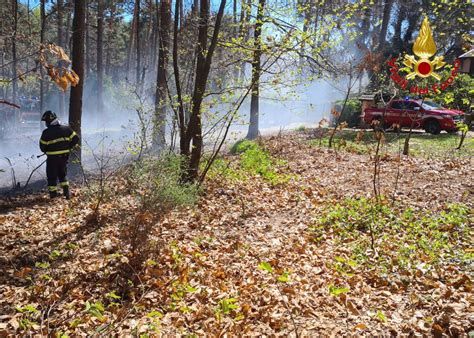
284	277
381	316
42	265
335	291
113	295
154	314
265	266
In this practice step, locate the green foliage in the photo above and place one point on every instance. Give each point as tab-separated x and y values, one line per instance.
256	161
265	266
95	309
158	186
243	145
423	145
253	160
351	113
337	291
222	167
228	307
408	237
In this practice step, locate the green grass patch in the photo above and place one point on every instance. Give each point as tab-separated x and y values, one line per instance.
404	238
253	160
421	144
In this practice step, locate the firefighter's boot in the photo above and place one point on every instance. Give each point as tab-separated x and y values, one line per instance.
66	192
53	194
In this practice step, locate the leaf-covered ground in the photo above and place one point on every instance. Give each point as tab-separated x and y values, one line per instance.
300	248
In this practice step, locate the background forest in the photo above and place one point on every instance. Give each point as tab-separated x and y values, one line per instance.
178	59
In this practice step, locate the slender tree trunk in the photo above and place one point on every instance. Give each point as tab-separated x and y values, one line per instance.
154	49
137	38
14	56
88	54
397	34
161	87
43	27
195	8
68	41
412	20
385	21
234	12
100	65
61	95
181	114
181	13
132	37
203	67
256	70
110	36
75	101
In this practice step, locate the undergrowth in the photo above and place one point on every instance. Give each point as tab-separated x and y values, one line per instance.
405	238
253	160
421	144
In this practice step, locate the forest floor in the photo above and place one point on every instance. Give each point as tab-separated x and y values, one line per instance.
299	247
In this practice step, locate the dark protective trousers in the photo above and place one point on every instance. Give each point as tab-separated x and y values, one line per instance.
56	170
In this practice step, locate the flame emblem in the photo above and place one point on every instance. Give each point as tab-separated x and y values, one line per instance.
424	47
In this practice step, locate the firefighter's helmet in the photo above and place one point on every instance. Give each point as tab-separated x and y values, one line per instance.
48	116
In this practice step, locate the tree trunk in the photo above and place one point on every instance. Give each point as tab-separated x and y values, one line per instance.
110	36
137	38
87	52
203	67
100	65
60	9
412	20
43	27
75	101
14	56
256	69
385	21
161	87
397	34
132	37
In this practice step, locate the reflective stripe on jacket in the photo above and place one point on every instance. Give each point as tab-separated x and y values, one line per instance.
58	140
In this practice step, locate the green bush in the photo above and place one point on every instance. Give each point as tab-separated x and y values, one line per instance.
157	184
351	113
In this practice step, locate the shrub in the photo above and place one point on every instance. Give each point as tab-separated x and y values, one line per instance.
351	113
157	184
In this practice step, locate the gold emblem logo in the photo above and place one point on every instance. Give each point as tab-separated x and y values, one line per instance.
424	47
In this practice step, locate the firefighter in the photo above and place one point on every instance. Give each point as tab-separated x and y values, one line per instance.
56	142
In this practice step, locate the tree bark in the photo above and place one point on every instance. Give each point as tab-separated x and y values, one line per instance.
256	70
87	52
60	9
397	34
203	67
100	64
110	36
385	21
75	101
132	38
14	56
137	38
43	27
161	87
412	20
